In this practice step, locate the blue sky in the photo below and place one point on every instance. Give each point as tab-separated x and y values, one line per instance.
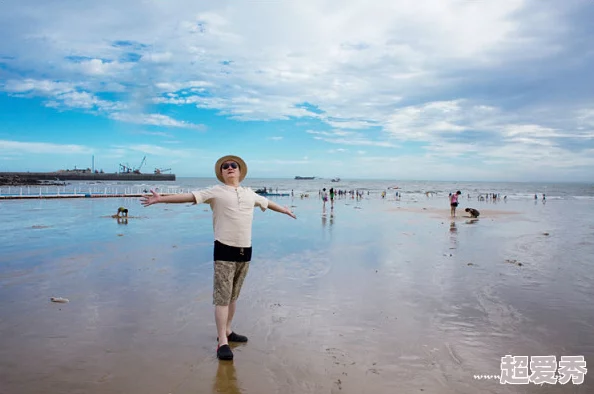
438	90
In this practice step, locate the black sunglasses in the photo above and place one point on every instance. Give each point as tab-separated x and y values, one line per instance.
232	165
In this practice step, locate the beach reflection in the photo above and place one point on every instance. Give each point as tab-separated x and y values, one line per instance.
225	380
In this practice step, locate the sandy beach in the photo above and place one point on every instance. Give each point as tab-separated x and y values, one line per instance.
381	296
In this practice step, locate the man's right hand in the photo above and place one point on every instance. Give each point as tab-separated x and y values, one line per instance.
150	200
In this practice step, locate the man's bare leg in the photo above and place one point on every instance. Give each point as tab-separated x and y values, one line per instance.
230	315
221	316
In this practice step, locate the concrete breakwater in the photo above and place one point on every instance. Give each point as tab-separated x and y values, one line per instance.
14	178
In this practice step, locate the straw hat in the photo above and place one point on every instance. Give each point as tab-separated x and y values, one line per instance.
242	167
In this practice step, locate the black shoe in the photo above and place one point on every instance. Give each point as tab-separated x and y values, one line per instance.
233	337
224	353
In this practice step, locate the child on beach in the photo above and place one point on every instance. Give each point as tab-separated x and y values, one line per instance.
121	210
473	212
454	203
232	212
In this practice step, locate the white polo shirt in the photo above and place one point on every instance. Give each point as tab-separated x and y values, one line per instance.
232	212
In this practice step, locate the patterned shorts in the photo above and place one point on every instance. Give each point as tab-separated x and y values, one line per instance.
228	279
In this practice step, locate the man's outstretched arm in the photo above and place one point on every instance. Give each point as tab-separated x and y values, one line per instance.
275	207
156	198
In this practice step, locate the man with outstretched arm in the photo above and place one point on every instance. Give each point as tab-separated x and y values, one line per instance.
232	212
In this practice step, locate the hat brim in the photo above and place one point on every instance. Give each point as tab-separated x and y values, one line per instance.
242	167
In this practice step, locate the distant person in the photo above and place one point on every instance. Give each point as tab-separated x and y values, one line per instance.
232	213
121	212
454	202
544	197
324	197
473	212
535	197
332	196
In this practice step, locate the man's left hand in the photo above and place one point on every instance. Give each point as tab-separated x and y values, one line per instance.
288	212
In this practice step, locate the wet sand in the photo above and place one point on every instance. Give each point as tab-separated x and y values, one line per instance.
375	299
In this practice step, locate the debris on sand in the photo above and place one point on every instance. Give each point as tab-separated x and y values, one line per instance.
515	262
59	300
339	384
545	233
470	264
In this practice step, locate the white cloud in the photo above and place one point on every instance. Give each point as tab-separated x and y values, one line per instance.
19	147
342	137
176	86
155	133
261	60
156	120
42	87
98	67
276	138
157	57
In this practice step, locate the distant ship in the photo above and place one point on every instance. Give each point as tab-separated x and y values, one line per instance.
305	177
336	180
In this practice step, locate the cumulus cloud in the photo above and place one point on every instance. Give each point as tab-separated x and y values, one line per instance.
459	78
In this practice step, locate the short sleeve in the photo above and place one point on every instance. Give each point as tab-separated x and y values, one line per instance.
204	196
260	201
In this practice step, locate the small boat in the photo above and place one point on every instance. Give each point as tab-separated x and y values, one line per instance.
304	177
336	180
264	192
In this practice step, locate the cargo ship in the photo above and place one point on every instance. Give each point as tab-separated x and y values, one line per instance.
305	177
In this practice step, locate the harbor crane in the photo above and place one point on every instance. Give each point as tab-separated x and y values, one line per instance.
137	170
126	169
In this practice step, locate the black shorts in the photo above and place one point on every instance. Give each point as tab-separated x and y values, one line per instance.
224	252
454	204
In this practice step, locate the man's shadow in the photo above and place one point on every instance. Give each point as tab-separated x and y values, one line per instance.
225	380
